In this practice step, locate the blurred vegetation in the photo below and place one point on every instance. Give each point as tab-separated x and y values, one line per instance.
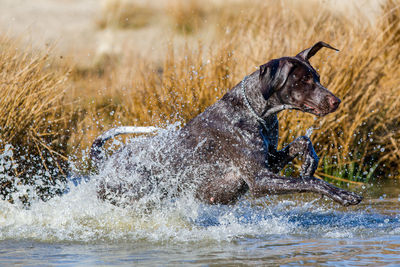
124	14
186	15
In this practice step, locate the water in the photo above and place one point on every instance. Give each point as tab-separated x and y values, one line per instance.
78	229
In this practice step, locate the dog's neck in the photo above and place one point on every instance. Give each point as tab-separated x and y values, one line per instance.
261	109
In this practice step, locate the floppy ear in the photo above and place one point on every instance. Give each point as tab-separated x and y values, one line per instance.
309	52
273	76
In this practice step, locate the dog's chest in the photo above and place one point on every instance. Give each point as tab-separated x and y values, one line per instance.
269	134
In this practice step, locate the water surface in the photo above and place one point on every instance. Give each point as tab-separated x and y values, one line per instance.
78	229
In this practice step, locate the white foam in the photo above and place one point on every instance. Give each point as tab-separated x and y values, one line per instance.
80	216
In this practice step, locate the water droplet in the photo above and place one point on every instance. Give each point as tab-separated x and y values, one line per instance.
309	131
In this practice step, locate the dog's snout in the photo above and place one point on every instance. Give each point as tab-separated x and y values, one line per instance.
333	102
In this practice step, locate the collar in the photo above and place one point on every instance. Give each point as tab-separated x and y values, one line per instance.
269	112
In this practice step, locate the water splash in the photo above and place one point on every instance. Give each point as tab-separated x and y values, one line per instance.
309	131
80	216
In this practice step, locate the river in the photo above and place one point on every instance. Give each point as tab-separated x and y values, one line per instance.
78	229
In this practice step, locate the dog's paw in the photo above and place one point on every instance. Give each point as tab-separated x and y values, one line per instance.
349	198
343	197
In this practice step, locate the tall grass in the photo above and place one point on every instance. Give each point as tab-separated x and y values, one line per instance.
361	137
34	122
356	142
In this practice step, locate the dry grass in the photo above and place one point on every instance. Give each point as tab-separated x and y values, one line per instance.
124	14
361	137
34	122
187	15
357	142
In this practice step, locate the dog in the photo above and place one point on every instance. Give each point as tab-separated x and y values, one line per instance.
236	138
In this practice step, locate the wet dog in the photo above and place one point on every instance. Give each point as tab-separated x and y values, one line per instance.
236	138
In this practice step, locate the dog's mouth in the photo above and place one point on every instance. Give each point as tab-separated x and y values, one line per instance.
309	108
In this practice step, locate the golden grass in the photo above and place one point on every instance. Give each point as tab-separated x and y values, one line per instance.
364	132
187	15
124	14
365	74
34	122
358	141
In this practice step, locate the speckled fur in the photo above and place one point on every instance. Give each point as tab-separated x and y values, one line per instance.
242	153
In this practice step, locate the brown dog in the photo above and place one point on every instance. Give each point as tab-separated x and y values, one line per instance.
231	147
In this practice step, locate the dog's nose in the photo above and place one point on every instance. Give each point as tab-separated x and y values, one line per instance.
333	102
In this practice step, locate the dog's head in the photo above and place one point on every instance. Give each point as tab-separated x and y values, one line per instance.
295	82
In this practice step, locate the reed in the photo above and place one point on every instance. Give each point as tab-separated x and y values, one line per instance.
34	122
357	142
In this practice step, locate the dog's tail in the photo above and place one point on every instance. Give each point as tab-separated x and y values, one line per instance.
96	153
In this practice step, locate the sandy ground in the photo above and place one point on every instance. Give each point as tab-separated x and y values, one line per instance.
71	26
67	23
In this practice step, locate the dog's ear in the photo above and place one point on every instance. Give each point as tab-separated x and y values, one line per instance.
273	76
309	52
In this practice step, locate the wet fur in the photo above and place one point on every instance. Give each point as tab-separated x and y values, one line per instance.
240	152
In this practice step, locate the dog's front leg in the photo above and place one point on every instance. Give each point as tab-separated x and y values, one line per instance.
269	183
300	147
